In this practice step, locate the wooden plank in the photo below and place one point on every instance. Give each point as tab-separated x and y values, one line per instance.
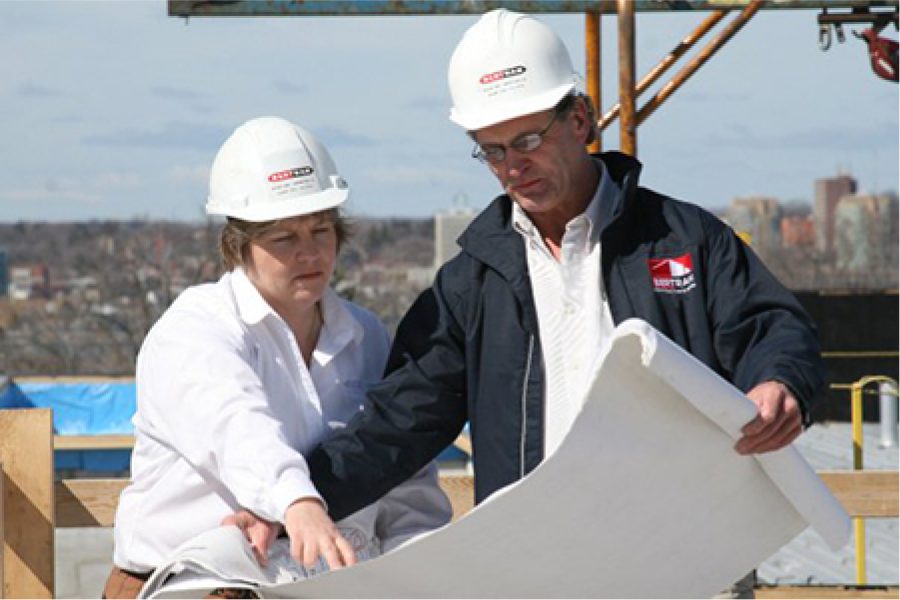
76	379
865	493
26	451
87	502
464	443
460	489
2	535
827	591
93	442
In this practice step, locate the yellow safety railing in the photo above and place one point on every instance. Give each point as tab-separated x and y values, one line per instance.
857	389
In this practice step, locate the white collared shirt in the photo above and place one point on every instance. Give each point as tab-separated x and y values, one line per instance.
572	308
226	407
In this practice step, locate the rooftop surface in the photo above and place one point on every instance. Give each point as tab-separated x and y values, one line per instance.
807	559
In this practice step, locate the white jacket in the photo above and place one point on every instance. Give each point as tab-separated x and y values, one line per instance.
226	407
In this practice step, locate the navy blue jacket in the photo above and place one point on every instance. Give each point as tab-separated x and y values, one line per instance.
468	349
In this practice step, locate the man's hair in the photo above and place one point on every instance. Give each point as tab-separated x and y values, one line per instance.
237	234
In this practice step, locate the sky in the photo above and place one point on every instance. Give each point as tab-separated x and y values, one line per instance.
114	110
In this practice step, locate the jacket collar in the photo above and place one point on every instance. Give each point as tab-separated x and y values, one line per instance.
491	238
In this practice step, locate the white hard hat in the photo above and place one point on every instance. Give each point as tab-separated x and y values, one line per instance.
507	65
271	169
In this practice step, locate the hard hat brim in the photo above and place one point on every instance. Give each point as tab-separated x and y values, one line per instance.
285	209
475	120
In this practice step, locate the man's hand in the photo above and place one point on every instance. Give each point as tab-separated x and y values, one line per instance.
313	533
259	532
778	422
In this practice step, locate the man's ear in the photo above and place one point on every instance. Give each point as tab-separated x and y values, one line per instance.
587	116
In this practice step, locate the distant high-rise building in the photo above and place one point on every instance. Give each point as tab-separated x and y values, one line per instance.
4	273
798	230
829	192
759	218
448	226
865	237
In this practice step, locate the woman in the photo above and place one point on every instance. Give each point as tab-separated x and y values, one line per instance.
240	377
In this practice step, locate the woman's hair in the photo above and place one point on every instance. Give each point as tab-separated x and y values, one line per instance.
237	234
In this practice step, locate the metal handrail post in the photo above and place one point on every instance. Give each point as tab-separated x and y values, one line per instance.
859	525
856	418
650	78
592	38
698	61
628	120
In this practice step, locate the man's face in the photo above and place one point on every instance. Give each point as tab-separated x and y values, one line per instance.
543	180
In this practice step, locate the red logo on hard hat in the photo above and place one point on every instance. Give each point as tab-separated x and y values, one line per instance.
502	74
290	174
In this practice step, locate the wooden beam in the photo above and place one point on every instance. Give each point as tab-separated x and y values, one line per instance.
464	443
827	591
93	442
864	493
88	502
26	451
2	534
460	489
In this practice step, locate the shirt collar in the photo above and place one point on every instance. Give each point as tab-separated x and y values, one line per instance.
252	307
339	329
606	192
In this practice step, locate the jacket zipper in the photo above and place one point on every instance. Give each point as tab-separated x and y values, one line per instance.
525	407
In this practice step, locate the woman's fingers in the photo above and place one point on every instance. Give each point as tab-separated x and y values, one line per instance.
313	534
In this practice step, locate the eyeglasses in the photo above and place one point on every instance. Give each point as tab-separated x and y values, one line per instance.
525	143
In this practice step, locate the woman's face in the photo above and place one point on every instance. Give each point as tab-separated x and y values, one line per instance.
291	264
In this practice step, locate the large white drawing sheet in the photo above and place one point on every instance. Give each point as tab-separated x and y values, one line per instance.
645	498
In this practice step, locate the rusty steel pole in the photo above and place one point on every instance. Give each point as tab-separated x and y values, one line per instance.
592	65
627	122
698	61
650	78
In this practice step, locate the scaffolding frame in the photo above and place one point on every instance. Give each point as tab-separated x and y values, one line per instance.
625	110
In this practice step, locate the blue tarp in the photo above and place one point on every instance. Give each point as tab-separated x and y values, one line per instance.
94	408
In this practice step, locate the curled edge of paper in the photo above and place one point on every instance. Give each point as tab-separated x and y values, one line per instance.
730	409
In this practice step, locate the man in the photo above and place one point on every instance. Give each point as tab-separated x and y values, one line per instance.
505	335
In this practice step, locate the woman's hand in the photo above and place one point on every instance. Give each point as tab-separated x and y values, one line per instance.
313	534
259	532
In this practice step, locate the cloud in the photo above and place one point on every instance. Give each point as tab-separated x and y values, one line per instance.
333	137
415	176
114	179
32	90
713	97
49	193
175	134
429	103
289	87
195	174
175	93
819	138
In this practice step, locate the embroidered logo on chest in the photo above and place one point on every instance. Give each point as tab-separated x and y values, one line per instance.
672	275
